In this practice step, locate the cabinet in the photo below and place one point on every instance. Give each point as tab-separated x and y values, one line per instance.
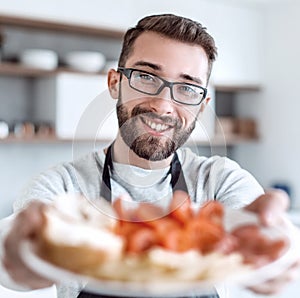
43	104
22	98
78	105
229	124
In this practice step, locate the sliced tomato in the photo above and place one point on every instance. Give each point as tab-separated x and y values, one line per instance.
141	240
246	232
256	248
164	225
180	207
176	240
126	228
117	206
212	211
226	245
147	212
204	235
276	249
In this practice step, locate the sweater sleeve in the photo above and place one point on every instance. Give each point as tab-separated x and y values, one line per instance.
5	279
232	185
49	184
218	178
44	187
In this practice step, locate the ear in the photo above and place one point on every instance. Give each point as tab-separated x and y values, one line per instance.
204	104
113	78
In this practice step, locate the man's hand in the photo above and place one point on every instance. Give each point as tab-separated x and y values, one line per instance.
25	227
270	208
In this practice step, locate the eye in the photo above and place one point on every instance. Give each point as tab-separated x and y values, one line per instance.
188	90
144	77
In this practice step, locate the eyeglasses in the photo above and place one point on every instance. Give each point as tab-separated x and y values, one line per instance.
148	83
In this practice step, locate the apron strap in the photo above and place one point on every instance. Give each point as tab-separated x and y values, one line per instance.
177	178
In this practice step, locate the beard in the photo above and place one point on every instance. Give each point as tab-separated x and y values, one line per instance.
145	145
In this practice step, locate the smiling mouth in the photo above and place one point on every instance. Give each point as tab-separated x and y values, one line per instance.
158	127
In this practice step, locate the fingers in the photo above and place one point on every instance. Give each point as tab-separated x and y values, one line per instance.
270	206
274	286
25	277
26	226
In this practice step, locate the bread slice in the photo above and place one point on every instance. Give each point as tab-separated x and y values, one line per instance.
77	234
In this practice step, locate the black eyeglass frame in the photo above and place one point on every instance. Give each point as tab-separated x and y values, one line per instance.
128	72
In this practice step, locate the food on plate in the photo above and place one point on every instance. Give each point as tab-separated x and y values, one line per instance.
185	228
149	243
77	234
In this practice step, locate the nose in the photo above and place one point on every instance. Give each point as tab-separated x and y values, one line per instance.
162	103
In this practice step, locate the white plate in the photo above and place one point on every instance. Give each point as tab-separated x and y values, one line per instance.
173	288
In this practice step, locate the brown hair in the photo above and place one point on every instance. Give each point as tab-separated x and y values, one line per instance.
174	27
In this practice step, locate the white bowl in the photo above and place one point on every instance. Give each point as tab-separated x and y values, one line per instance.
39	58
85	60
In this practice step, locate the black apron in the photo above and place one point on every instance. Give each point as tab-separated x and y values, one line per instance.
177	183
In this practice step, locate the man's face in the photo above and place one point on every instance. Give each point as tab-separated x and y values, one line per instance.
154	126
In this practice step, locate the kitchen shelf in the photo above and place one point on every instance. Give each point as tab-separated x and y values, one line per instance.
237	88
15	69
30	140
231	140
48	25
46	140
216	141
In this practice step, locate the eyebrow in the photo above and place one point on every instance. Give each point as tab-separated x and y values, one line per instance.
158	67
191	78
148	64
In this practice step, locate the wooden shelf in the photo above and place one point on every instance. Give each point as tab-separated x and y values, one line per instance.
60	27
15	69
24	140
224	141
237	88
217	141
233	139
47	140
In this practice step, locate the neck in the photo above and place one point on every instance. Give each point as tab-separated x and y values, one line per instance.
123	154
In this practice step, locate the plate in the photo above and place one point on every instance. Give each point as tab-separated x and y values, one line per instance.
285	230
168	287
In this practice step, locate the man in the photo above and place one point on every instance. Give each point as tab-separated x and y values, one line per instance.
160	88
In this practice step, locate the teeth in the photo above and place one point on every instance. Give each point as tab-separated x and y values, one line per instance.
157	127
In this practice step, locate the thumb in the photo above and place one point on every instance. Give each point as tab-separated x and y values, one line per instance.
270	206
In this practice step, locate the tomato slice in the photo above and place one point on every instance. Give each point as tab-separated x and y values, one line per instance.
203	234
180	207
141	240
256	248
212	211
147	212
182	229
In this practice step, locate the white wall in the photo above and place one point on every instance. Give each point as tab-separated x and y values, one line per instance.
96	12
276	157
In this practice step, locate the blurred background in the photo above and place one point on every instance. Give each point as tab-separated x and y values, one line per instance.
54	56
